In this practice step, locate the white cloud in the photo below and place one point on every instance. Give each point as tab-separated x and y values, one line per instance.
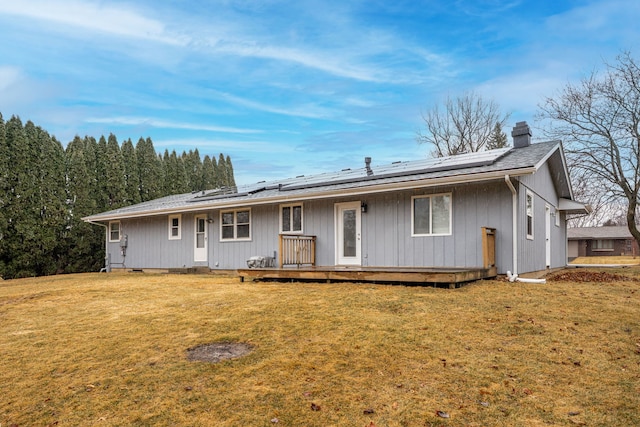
309	111
112	19
146	121
8	77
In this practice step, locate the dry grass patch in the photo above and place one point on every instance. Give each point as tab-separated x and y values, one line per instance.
623	259
111	349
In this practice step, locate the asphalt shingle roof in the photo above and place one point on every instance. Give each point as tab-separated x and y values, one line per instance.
357	180
590	233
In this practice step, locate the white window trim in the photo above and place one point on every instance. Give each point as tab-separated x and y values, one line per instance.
413	234
119	231
171	218
292	205
526	212
235	226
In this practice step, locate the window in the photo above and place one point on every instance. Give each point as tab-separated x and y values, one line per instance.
529	215
291	219
114	231
431	215
175	232
602	245
235	225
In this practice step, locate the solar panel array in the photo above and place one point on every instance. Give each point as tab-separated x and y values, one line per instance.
347	175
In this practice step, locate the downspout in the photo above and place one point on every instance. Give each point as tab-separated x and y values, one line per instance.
107	265
514	223
514	205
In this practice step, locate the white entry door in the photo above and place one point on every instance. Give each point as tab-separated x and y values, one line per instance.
200	239
547	234
348	230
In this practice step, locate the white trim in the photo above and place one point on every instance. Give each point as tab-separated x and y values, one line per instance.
292	205
171	227
430	197
547	234
111	240
529	194
235	224
200	254
340	258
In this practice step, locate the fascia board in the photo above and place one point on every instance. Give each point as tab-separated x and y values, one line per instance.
371	189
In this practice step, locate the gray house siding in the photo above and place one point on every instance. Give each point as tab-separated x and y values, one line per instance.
541	186
386	233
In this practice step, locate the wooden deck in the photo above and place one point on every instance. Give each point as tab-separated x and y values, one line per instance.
445	276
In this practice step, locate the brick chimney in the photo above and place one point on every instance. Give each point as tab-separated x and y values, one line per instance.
521	135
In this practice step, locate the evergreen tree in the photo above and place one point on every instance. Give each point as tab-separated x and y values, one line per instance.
209	180
102	193
21	200
85	241
222	171
497	139
149	170
193	170
131	177
230	179
52	199
114	177
4	192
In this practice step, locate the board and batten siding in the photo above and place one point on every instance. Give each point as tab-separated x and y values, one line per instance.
531	252
387	239
386	236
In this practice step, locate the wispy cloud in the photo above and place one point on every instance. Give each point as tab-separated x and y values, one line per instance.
310	111
146	121
101	17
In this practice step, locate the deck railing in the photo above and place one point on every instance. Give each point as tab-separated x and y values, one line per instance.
297	250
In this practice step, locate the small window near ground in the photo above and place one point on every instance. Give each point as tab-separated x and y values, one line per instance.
529	215
431	215
114	231
235	225
291	218
175	232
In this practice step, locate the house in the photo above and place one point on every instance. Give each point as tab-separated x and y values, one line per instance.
601	241
423	214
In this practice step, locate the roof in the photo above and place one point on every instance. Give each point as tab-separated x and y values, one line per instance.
472	167
596	233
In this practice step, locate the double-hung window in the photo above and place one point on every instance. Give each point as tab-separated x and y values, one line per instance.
291	219
529	202
431	215
114	231
174	227
235	225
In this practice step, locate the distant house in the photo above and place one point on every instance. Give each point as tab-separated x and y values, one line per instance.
601	241
427	213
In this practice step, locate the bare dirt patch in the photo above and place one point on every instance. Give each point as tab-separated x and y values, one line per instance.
590	276
215	352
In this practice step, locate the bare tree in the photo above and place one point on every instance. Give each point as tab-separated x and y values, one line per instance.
465	124
599	120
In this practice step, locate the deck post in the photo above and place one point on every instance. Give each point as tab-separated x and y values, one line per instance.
488	247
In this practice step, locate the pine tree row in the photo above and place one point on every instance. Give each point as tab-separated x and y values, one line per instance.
46	189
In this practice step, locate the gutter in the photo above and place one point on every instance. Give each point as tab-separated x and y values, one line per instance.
187	206
514	222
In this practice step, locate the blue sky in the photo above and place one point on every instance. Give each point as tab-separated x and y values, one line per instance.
292	87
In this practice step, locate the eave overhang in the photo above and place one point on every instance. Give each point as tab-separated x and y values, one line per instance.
315	194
